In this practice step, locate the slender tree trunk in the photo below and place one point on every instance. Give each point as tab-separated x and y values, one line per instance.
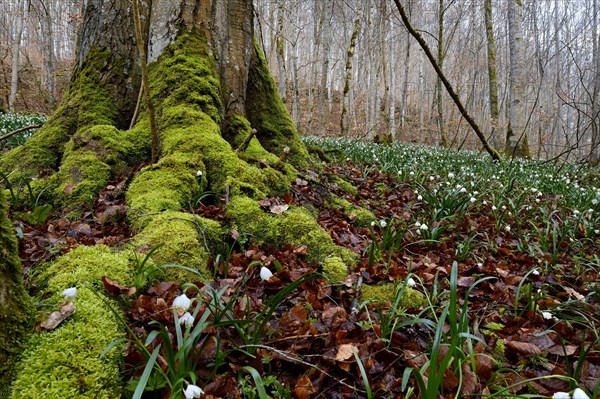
404	96
16	54
344	120
50	53
440	61
492	80
517	144
323	90
595	123
282	81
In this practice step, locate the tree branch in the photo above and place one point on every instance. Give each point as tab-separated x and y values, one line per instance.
493	152
23	129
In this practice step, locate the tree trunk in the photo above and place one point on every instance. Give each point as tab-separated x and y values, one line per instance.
15	306
16	53
595	123
516	136
492	80
440	61
345	120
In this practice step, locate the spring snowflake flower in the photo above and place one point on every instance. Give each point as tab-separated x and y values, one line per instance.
70	293
265	274
463	190
182	303
484	202
423	227
547	315
535	272
431	178
192	392
411	282
494	207
579	394
507	228
382	223
199	173
450	175
473	200
187	319
419	198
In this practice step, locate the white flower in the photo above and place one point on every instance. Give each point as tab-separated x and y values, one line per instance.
463	190
192	392
597	231
400	172
382	223
431	178
547	315
182	303
535	272
265	273
373	224
419	198
479	264
484	202
417	224
561	395
450	175
70	293
503	207
507	228
411	282
473	200
494	207
579	394
594	202
575	212
412	173
423	227
199	173
187	319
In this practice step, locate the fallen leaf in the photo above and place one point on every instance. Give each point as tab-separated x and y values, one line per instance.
278	209
524	348
345	352
68	189
560	350
66	310
115	288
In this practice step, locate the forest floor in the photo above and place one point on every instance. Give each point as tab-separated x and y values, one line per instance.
534	317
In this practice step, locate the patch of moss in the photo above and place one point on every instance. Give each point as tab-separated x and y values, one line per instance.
296	226
386	293
267	112
335	270
362	217
65	363
344	185
169	184
87	264
184	239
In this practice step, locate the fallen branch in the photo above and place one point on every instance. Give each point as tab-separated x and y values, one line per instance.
359	284
21	130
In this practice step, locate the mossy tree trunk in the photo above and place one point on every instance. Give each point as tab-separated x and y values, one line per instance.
15	305
81	147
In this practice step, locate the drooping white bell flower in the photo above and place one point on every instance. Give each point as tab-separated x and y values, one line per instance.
182	303
187	319
192	392
561	395
70	293
265	273
580	394
411	282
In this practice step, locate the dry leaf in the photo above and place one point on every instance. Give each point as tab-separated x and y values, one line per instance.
115	288
524	348
345	352
68	189
278	209
66	310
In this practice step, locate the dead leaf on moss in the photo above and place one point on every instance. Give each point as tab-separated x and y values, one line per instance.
278	209
54	320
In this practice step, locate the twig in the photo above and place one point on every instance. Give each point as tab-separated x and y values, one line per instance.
23	129
297	360
359	284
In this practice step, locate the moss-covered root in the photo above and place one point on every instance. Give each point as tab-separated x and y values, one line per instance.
387	293
295	226
183	239
15	305
267	113
86	103
66	363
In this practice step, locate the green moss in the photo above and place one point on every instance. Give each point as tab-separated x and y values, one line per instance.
296	226
362	217
267	113
65	363
15	306
87	264
169	184
183	239
386	293
86	103
344	185
335	270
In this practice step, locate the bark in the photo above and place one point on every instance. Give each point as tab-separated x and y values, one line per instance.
345	120
282	78
16	54
516	136
440	61
595	123
492	80
15	305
